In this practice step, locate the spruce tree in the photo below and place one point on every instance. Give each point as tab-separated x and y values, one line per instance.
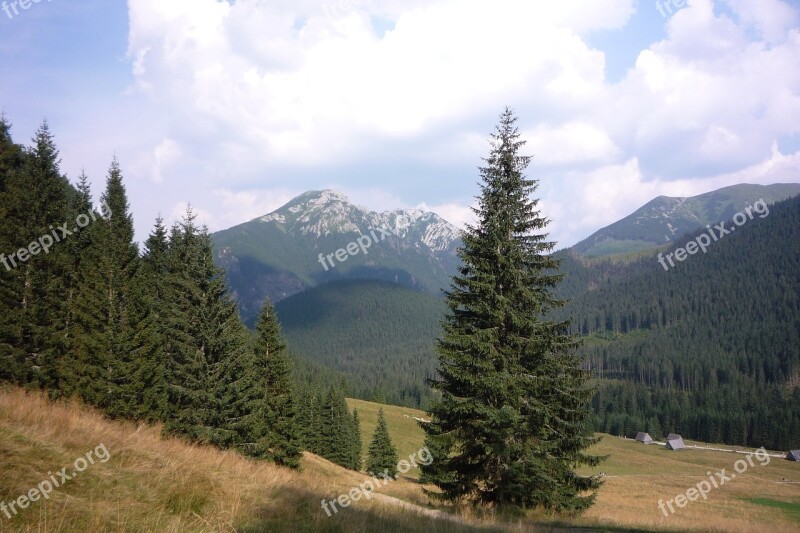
306	417
12	355
267	421
37	205
315	434
382	456
336	430
207	346
80	248
120	265
355	442
509	428
102	310
148	311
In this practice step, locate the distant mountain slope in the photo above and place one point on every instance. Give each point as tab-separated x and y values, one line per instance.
664	219
708	348
279	254
380	334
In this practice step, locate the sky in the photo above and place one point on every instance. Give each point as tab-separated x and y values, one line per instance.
236	107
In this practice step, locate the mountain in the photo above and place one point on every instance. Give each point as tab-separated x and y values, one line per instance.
707	348
381	335
304	244
664	219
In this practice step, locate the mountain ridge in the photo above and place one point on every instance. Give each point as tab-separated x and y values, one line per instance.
665	218
282	253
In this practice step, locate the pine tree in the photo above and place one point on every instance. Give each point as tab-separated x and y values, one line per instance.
102	310
207	342
315	434
306	417
510	426
265	407
80	253
12	355
148	311
382	456
355	442
119	266
336	430
37	197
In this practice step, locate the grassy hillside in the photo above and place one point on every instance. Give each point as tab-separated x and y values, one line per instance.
404	430
149	483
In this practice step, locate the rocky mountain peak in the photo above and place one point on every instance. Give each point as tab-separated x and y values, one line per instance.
326	212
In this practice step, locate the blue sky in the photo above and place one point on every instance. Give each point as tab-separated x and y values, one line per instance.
235	108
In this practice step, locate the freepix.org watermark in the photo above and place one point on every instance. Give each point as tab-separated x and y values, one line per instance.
665	6
704	240
46	241
43	489
361	244
366	488
715	481
12	8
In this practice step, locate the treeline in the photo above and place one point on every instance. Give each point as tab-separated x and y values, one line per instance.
708	348
151	336
328	428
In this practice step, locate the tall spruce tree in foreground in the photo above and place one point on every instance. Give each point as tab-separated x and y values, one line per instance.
12	353
101	328
382	453
509	428
39	201
207	347
265	414
149	314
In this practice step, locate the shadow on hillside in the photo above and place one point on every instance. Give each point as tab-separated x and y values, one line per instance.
300	511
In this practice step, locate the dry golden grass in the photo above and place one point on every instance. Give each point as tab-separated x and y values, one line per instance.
639	475
155	484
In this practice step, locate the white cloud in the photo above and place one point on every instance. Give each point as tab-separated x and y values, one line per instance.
773	19
165	155
570	143
301	85
251	92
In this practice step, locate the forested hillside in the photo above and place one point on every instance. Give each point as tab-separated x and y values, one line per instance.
381	335
149	336
709	348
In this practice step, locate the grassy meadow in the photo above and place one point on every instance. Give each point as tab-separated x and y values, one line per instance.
154	484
